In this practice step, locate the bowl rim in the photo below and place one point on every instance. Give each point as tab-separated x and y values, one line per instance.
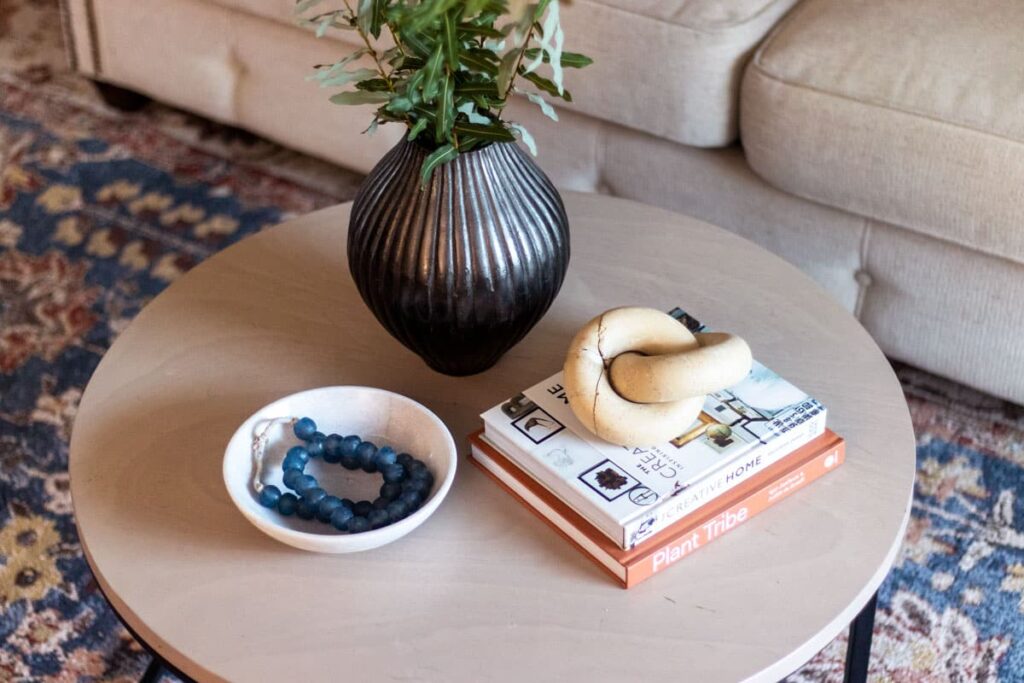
404	525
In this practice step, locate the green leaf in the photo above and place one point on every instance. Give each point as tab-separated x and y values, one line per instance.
303	6
373	85
441	155
400	104
485	54
506	70
324	71
370	16
546	85
413	87
417	128
432	74
485	7
425	112
360	97
551	41
451	41
474	62
445	110
346	77
488	89
323	25
493	132
410	63
570	60
418	44
469	31
487	103
393	55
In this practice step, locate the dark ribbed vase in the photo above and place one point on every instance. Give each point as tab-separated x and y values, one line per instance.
461	269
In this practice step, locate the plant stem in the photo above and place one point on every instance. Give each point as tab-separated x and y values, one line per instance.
398	42
519	62
366	41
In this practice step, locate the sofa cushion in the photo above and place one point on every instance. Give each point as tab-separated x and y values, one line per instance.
668	67
910	112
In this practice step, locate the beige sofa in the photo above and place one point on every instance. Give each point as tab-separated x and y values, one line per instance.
875	144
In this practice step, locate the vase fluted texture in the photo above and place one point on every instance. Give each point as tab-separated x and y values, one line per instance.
461	269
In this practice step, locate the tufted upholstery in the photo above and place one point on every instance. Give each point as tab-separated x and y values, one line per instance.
685	56
910	112
663	86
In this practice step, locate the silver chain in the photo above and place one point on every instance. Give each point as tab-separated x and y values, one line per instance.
259	446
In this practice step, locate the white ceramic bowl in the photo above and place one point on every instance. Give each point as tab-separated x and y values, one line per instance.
376	415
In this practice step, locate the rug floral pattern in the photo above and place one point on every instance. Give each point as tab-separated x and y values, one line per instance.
99	211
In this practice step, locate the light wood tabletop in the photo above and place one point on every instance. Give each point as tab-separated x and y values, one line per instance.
483	591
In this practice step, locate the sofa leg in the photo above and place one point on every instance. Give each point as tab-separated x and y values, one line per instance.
121	98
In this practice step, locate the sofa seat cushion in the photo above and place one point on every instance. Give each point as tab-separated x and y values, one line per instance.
910	112
671	68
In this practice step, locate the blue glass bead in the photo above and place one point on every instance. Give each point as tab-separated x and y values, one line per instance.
291	478
358	525
417	469
377	519
350	462
385	456
332	449
419	485
305	509
365	453
287	503
315	445
347	502
393	474
304	483
404	459
362	508
341	517
349	445
397	510
304	429
412	499
327	506
314	495
379	503
296	459
299	452
269	496
390	491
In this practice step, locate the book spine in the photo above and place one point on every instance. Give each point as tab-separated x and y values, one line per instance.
549	516
715	527
554	481
695	496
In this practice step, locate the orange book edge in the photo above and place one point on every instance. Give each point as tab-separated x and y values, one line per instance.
629	567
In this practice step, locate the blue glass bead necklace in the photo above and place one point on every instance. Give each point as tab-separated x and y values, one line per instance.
407	481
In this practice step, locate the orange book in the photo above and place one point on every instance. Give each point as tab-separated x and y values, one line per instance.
690	533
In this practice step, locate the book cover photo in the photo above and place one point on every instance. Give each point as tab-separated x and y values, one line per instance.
632	493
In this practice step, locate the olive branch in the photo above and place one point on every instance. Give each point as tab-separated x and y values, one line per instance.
445	68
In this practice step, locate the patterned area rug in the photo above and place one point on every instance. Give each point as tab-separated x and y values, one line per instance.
99	211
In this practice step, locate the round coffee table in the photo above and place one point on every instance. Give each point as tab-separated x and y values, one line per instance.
482	591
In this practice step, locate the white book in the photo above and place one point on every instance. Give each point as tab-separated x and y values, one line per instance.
630	494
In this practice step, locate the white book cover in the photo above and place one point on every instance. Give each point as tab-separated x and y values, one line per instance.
631	493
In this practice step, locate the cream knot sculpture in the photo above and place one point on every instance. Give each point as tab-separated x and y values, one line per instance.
637	377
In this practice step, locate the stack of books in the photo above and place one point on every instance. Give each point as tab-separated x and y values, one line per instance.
638	511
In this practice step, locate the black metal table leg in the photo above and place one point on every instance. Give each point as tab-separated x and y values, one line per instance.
858	650
154	672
